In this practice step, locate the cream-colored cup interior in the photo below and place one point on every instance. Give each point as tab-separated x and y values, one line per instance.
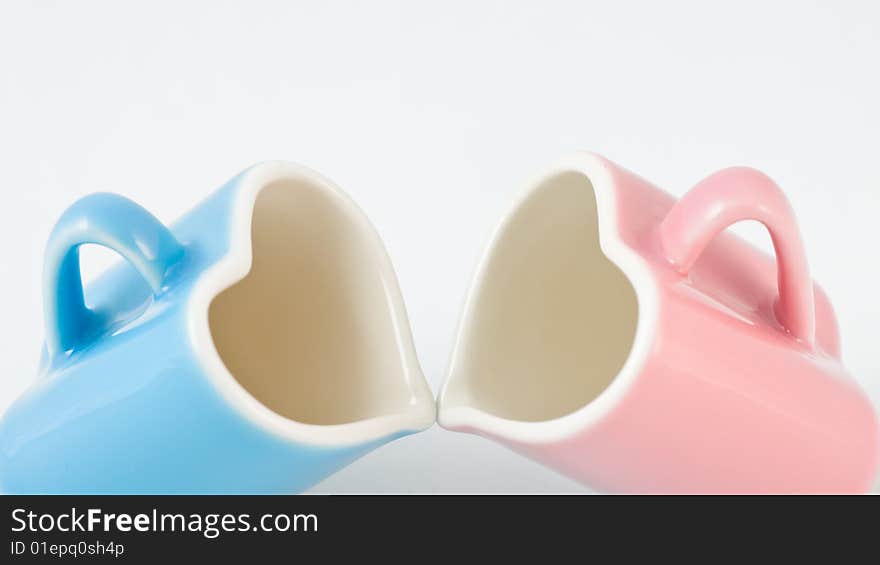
552	320
310	332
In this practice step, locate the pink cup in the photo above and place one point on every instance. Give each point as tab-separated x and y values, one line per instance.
616	335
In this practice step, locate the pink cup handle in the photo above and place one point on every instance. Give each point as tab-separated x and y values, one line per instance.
727	197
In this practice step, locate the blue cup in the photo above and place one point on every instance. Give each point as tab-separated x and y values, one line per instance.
257	346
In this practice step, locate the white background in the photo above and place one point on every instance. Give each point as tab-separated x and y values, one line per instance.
432	115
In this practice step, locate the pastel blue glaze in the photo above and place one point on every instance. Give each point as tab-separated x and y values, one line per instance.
122	404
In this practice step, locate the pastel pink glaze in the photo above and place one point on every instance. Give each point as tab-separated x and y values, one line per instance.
728	399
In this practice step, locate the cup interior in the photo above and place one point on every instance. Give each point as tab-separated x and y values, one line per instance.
552	320
310	331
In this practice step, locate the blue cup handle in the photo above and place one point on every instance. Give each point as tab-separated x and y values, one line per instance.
114	222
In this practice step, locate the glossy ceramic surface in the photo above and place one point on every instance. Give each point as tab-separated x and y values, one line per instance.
134	397
730	379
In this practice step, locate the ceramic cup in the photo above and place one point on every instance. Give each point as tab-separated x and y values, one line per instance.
616	335
258	345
